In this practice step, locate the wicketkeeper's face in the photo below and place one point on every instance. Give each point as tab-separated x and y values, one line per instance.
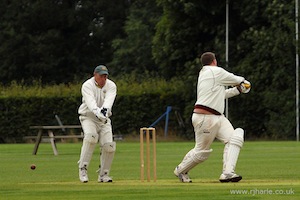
100	79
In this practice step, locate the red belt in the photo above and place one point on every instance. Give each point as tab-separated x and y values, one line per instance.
208	109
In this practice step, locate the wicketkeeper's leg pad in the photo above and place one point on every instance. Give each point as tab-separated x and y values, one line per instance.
88	145
192	159
232	150
106	157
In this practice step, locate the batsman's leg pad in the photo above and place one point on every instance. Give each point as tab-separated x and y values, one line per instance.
233	150
87	149
106	157
237	137
192	159
225	152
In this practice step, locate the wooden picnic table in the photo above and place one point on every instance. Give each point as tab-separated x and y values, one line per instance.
50	131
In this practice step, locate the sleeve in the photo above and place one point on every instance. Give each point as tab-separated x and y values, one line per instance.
110	97
231	92
228	79
89	97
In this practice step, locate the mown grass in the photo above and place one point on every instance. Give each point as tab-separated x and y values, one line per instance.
266	167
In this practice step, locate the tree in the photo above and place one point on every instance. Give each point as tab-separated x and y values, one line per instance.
133	52
261	49
186	29
57	40
264	51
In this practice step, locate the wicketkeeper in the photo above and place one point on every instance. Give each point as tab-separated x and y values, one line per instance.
98	96
209	121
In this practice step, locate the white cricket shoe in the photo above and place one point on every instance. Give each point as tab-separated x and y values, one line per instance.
83	176
182	177
104	178
231	177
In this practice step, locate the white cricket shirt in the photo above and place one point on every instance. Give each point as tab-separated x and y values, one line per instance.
211	91
94	97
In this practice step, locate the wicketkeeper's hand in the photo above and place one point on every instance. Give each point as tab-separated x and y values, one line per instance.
101	114
244	87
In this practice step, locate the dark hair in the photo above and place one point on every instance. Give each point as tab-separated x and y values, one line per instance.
207	58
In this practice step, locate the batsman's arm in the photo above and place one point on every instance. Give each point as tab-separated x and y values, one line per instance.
243	87
226	78
231	92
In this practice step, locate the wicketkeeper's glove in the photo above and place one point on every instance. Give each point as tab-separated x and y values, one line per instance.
104	111
101	114
244	87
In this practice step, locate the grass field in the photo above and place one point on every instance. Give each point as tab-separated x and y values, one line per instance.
270	171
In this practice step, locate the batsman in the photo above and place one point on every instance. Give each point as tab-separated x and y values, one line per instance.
209	121
98	96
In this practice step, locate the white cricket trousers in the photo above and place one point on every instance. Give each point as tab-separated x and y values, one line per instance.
209	127
92	125
94	131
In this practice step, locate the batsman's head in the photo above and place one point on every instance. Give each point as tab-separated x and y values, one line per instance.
208	58
101	69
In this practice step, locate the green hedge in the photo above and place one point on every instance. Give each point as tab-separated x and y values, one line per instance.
137	105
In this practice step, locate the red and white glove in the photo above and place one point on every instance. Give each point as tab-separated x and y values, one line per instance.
244	87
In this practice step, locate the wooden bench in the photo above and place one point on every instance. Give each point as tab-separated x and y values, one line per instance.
33	138
50	137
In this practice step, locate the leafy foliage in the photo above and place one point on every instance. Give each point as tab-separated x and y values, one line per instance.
268	59
156	42
133	52
57	41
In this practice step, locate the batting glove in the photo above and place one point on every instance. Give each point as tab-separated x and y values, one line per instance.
244	87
